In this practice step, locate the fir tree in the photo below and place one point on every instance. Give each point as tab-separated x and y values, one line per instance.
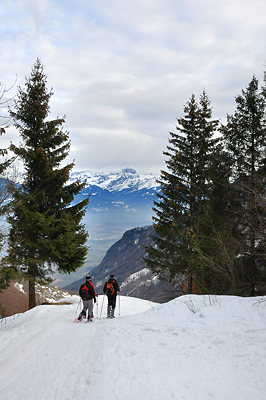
184	191
246	145
46	230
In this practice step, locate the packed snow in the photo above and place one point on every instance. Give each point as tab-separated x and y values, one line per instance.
192	348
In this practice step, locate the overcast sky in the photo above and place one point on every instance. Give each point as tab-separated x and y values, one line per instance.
121	71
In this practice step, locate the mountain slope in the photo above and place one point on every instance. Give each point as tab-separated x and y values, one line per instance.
119	201
193	347
124	260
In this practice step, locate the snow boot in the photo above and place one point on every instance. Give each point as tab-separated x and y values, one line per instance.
80	316
109	308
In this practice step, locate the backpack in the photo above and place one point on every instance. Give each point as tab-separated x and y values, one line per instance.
109	288
85	293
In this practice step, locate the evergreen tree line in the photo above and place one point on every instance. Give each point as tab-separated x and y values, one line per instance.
46	231
210	213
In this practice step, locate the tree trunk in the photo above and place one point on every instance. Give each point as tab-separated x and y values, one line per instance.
190	283
253	270
32	297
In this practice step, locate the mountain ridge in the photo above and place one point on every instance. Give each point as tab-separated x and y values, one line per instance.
125	260
128	180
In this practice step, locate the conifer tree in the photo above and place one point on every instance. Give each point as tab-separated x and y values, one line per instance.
45	227
246	145
184	191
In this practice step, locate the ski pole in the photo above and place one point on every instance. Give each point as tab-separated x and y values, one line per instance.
78	305
97	305
119	303
102	307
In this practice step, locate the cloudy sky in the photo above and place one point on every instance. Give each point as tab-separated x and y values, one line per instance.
121	71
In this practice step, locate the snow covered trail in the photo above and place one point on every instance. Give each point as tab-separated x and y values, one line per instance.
194	347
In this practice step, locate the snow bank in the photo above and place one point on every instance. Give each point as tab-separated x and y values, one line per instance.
192	348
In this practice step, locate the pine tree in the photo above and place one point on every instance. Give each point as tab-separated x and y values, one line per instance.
246	145
45	227
184	191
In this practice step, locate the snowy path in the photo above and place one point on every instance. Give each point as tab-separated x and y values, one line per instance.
191	348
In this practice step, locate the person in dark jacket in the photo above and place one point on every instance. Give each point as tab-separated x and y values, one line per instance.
110	289
88	295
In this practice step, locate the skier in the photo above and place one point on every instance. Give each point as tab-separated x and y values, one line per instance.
110	289
87	293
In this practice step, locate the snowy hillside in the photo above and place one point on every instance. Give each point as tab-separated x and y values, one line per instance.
192	348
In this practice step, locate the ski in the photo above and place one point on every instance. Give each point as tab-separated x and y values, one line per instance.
84	320
78	321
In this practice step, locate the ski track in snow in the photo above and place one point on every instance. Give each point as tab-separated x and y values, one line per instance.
192	348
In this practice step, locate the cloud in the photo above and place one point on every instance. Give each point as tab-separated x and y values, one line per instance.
122	72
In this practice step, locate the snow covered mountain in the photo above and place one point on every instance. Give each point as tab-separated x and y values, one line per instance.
192	348
119	201
126	180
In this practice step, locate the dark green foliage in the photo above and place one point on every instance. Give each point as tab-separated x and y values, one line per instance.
184	192
7	275
219	244
46	230
211	212
246	145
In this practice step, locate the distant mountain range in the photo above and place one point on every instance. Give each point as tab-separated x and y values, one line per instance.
119	201
126	181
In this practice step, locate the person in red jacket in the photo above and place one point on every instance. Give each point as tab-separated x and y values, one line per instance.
110	289
87	293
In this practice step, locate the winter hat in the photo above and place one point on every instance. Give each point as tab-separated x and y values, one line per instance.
112	276
88	278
